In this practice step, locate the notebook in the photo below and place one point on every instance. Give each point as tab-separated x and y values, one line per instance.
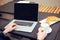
25	16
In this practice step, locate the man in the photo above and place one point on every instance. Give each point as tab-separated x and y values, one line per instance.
40	35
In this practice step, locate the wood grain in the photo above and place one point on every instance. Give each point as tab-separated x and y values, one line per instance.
49	9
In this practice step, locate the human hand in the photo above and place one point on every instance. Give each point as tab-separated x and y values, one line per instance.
9	28
41	34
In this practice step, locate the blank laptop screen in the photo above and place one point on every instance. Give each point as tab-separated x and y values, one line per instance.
26	11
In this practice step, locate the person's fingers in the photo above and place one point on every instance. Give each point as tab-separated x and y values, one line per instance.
40	29
14	26
10	25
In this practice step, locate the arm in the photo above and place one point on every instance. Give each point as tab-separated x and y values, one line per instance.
2	36
9	28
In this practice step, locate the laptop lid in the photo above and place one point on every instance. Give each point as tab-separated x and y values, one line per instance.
26	11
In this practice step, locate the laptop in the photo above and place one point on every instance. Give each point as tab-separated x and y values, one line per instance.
25	16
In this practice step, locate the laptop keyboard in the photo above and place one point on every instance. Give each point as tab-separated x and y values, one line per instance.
23	23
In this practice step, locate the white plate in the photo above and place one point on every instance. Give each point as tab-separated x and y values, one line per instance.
47	26
48	29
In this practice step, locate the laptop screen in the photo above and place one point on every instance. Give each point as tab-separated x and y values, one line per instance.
25	11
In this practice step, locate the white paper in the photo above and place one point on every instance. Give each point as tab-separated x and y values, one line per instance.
23	2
